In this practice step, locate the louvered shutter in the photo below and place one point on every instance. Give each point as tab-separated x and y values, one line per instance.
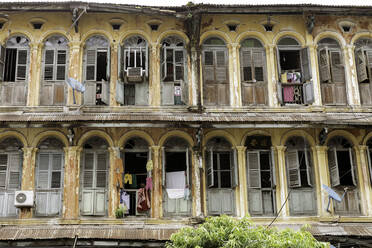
369	60
208	66
57	165
209	167
337	67
305	65
352	166
167	92
254	172
221	66
179	64
3	169
309	166
234	168
61	64
369	163
90	64
87	202
108	65
187	168
90	93
163	176
278	63
101	170
2	62
333	167
246	65
272	166
163	64
21	68
119	96
259	65
308	92
106	92
15	170
324	65
99	203
42	203
43	171
293	166
279	92
88	170
184	92
361	65
49	65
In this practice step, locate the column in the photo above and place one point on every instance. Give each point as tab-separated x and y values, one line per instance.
154	75
75	69
234	66
71	183
28	176
33	89
352	89
113	190
281	186
194	77
242	176
321	167
363	179
271	76
113	72
197	164
314	73
157	201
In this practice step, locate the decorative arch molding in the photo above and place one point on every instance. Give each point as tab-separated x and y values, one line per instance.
330	34
55	32
366	138
16	134
360	35
176	133
252	34
290	34
220	133
254	132
180	34
52	133
350	137
97	133
94	32
20	32
135	133
217	34
125	35
299	133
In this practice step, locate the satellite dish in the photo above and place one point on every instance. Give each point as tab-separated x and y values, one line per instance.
333	195
75	85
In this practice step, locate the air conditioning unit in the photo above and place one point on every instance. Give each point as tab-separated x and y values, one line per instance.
134	74
24	198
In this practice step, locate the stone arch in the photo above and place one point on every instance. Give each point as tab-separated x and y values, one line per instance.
220	133
97	133
330	34
97	32
130	33
360	35
252	34
24	33
217	34
367	137
254	132
345	134
177	133
180	34
300	133
290	34
16	134
135	133
46	134
51	33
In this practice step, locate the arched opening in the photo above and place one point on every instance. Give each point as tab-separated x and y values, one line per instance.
55	68
94	173
222	177
97	71
343	176
363	63
253	72
215	72
331	72
135	155
173	71
260	175
176	163
10	174
300	177
49	177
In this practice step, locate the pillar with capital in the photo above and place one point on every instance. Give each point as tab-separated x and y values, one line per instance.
271	83
363	179
34	74
352	86
74	71
154	76
314	72
234	65
281	186
113	196
114	73
242	180
157	201
197	164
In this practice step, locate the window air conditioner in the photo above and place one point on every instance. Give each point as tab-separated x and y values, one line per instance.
134	74
24	198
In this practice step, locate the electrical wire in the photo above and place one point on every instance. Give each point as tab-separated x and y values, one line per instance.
286	199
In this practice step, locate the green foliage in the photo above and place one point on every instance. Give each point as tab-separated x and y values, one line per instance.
120	212
228	232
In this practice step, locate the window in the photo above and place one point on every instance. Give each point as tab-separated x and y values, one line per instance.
97	71
55	56
14	64
49	178
94	178
173	72
10	175
363	61
221	175
215	73
253	72
260	175
331	72
295	85
133	87
302	198
369	157
342	171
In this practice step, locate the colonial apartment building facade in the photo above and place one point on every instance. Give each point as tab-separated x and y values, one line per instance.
259	106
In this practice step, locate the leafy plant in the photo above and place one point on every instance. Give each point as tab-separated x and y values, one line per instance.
120	212
229	232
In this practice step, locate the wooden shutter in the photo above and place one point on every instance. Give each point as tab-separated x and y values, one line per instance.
49	64
21	65
187	168
279	92
90	64
61	64
293	166
254	172
333	167
88	170
2	62
163	179
309	171
258	58
337	67
221	66
167	93
106	92
352	166
90	93
59	93
308	92
369	61
101	170
246	65
14	170
119	93
305	64
43	171
57	165
141	93
324	68
255	202
3	169
234	168
99	203
184	92
179	65
208	66
163	64
369	163
272	166
87	202
278	63
361	65
108	65
209	167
